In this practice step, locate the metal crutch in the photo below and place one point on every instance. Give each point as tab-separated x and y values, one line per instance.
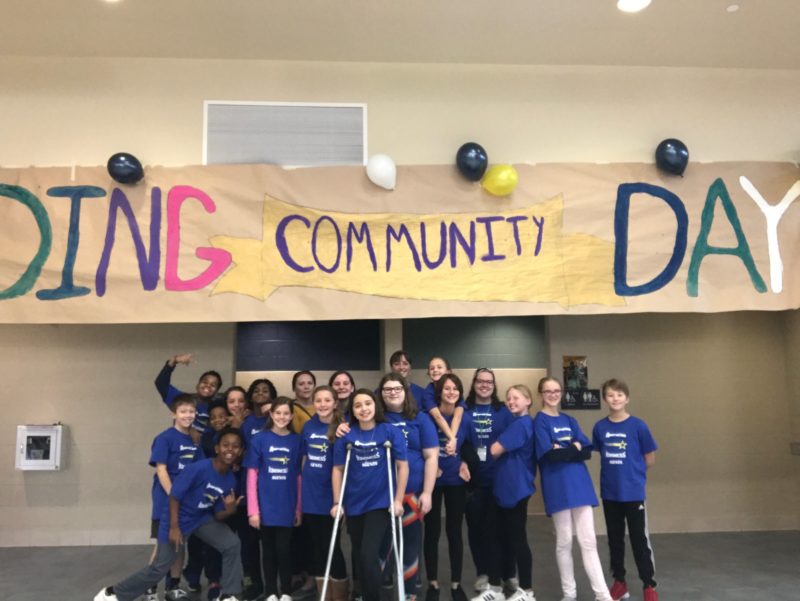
336	521
397	537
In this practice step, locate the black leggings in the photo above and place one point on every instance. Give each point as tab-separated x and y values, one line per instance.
455	499
367	532
276	555
511	525
490	557
320	530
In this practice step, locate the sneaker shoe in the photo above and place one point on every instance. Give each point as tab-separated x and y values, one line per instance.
490	595
288	598
194	587
511	584
566	598
482	583
307	590
432	594
458	594
229	598
619	590
272	598
151	594
105	594
521	595
214	591
650	594
175	594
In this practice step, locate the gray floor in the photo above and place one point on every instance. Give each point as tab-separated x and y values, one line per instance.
690	567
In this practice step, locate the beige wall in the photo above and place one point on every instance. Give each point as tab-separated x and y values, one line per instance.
720	391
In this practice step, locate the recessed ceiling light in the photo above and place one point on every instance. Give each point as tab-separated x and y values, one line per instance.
732	8
632	6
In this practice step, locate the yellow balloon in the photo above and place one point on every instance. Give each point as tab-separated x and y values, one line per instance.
500	180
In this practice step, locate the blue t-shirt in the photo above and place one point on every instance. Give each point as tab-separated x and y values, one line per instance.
251	426
515	469
420	433
487	425
427	401
169	393
565	485
277	459
318	455
175	450
449	464
367	486
200	489
417	392
622	447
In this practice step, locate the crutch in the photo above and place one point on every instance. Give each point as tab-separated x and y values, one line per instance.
336	521
397	537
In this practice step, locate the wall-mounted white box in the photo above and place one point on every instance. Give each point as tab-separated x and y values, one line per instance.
39	447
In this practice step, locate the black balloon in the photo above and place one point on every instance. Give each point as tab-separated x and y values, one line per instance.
672	156
472	161
125	168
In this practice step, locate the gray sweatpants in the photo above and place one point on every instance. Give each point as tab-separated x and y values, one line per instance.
217	535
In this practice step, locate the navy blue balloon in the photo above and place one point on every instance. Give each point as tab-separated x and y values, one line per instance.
125	168
472	161
672	156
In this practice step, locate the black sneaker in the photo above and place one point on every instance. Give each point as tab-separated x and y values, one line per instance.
432	594
458	594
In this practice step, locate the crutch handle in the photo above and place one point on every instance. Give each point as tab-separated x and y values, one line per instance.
387	444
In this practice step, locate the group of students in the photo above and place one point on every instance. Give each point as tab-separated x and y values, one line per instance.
274	471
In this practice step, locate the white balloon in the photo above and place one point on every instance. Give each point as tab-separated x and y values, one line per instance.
382	171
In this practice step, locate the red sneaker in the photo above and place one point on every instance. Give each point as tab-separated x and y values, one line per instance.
619	590
650	594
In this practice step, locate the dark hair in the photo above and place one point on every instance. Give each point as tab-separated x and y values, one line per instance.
211	372
440	386
250	389
496	403
247	402
339	373
218	404
618	385
379	417
182	399
229	430
409	410
297	374
281	400
397	355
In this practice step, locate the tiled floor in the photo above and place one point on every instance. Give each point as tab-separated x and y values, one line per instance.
690	567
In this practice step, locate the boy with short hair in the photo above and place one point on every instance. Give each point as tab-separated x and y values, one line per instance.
198	504
627	449
206	390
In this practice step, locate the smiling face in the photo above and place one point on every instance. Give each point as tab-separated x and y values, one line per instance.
261	394
281	416
518	402
324	404
437	368
450	393
343	387
303	387
551	394
236	402
217	418
616	400
363	408
208	386
184	416
483	385
394	395
229	449
402	366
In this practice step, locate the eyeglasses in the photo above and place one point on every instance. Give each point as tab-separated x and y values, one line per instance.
551	392
392	389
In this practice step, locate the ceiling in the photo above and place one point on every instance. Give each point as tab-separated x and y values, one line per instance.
681	33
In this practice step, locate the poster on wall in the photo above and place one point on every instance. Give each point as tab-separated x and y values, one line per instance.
576	372
231	243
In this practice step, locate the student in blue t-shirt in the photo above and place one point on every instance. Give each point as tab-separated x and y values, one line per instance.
273	504
207	387
317	493
450	488
423	461
627	449
561	449
367	498
515	470
343	386
438	367
171	452
260	394
400	363
489	418
201	497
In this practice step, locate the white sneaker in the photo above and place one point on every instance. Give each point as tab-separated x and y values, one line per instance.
104	596
521	595
285	598
150	596
490	595
511	584
175	594
565	598
272	598
482	583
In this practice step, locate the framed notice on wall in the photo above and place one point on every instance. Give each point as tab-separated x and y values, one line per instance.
576	372
581	398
